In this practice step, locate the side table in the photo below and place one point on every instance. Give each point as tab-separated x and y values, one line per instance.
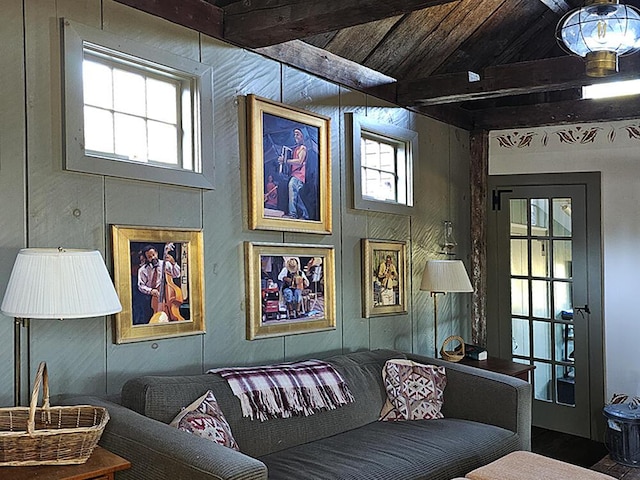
101	465
500	365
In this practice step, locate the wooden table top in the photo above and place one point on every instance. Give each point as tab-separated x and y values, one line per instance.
499	365
102	463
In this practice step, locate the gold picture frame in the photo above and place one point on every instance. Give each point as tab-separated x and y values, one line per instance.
289	168
157	305
384	277
307	272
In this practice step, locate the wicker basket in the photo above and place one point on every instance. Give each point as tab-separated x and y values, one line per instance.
49	435
456	354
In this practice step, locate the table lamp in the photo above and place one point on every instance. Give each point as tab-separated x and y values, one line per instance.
56	283
443	276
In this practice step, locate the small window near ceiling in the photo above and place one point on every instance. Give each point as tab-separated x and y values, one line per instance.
382	165
136	112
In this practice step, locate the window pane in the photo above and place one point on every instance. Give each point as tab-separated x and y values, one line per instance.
520	343
562	299
542	381
98	130
540	298
564	342
519	297
96	85
371	157
542	340
519	250
562	217
566	385
562	259
131	137
161	101
163	143
129	92
540	258
540	217
518	213
387	158
388	186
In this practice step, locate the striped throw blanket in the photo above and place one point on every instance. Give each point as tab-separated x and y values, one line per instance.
286	389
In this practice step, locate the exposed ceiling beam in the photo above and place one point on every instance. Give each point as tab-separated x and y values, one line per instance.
198	15
558	113
259	23
550	74
558	6
337	69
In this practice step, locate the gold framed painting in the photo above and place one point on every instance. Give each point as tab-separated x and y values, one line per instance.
159	277
384	277
290	289
289	168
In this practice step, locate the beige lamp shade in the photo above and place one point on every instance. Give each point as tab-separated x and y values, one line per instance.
445	276
57	283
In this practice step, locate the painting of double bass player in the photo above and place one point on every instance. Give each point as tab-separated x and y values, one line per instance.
159	283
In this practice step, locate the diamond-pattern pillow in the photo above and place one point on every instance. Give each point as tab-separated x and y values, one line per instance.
205	419
414	391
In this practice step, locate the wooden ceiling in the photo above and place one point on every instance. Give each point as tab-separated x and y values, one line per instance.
478	64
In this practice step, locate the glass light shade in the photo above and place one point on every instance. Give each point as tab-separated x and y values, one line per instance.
445	276
58	283
600	31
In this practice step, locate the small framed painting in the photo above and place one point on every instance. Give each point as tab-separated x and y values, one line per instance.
291	289
289	168
159	278
384	278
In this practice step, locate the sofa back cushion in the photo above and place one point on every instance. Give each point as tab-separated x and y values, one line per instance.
162	397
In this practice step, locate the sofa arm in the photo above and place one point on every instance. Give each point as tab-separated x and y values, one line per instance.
486	397
160	452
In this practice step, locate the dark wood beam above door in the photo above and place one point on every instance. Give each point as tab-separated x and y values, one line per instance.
560	73
259	23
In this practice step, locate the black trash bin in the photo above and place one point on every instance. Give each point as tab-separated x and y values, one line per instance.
622	438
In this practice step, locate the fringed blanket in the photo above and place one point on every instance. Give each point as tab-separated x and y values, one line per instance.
287	389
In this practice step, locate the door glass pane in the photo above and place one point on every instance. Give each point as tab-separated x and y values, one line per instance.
563	307
562	259
542	381
519	257
518	212
540	298
540	258
539	217
542	340
561	217
565	385
520	344
519	297
564	342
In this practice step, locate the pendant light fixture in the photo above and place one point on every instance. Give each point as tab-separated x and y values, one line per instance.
600	32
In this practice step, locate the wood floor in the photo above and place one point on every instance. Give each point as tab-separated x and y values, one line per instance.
568	448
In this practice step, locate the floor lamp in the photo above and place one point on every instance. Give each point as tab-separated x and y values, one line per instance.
443	276
50	283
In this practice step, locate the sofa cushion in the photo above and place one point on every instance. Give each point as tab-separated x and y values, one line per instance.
205	419
414	391
392	450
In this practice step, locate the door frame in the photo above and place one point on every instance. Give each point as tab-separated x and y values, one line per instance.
592	184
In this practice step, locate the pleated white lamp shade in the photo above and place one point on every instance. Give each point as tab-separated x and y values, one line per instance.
59	283
445	276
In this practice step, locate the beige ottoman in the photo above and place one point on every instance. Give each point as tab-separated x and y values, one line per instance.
531	466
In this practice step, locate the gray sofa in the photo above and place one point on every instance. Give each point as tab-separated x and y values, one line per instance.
487	415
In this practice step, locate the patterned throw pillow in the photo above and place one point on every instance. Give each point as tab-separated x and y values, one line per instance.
414	391
205	419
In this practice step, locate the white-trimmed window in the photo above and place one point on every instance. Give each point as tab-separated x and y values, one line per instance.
136	112
382	165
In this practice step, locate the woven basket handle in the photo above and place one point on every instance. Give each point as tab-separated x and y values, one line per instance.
42	377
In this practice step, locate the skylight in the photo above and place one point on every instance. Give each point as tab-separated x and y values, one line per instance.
611	89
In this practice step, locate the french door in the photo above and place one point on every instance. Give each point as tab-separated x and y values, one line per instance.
543	300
